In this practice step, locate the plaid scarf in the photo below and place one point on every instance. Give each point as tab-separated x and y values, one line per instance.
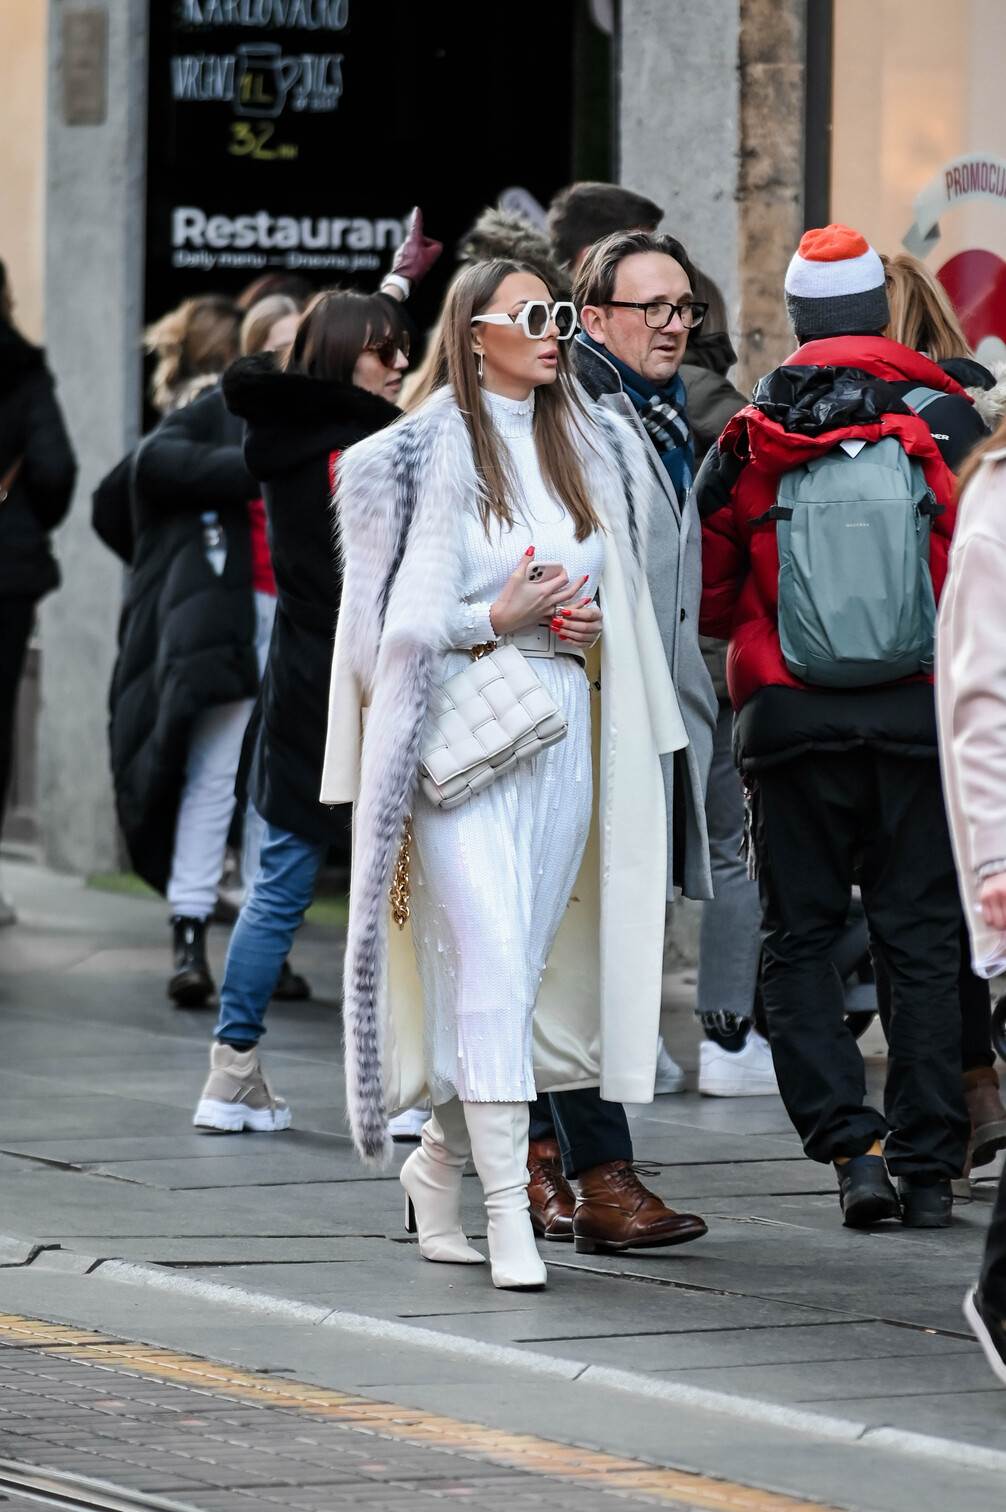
665	419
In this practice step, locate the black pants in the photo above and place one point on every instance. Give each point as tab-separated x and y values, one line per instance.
994	1266
976	1009
823	820
16	619
589	1130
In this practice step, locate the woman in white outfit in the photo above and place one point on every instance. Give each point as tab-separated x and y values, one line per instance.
499	511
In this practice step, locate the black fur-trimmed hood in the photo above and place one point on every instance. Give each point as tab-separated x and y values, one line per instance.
290	417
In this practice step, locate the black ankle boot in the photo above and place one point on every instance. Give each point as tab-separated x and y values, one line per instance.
291	987
926	1203
191	986
866	1193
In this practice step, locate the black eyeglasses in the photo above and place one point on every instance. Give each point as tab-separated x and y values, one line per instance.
388	348
659	312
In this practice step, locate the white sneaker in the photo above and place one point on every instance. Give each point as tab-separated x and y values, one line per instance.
406	1127
737	1073
669	1077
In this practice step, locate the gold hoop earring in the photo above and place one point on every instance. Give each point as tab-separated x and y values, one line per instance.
480	365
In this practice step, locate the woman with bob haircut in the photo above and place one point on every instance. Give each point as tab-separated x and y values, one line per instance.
498	511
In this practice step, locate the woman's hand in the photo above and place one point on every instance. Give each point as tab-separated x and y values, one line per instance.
524	604
580	625
415	257
992	898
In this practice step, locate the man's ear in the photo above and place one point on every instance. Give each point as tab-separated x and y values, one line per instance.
592	320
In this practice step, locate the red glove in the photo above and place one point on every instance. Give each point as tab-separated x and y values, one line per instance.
417	254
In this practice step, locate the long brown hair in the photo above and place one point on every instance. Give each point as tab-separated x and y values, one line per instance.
922	316
333	331
197	340
557	412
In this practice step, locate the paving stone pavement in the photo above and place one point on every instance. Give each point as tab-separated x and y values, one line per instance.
93	1410
778	1305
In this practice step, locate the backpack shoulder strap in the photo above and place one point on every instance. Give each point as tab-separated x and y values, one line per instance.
920	398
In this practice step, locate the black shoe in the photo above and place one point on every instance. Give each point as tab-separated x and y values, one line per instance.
291	987
191	986
866	1193
989	1330
926	1205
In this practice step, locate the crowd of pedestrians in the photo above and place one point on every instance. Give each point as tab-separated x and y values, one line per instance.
607	633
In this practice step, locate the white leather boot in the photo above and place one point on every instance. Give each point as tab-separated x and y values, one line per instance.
498	1134
432	1180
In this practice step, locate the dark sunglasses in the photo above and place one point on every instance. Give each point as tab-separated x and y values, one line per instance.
388	348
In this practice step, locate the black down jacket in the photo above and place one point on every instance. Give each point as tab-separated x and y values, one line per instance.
32	432
296	427
186	636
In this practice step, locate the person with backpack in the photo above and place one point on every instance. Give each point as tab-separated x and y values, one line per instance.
827	516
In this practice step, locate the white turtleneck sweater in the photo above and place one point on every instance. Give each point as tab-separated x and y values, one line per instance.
539	521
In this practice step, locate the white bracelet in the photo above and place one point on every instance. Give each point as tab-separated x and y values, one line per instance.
398	282
991	869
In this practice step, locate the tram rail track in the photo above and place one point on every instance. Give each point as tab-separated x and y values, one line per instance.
79	1493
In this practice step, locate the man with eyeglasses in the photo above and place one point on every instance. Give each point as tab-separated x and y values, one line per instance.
635	293
637	305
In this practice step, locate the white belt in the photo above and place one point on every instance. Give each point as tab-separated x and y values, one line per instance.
541	641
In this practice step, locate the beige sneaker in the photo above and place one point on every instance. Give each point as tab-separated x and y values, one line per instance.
238	1097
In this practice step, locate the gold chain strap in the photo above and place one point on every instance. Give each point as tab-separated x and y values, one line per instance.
401	891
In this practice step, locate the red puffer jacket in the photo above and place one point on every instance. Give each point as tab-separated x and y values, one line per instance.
825	393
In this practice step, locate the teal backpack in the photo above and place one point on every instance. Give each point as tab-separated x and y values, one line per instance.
856	602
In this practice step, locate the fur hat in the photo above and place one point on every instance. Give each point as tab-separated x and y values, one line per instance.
504	233
836	285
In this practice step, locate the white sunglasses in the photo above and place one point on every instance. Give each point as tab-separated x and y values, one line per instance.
536	319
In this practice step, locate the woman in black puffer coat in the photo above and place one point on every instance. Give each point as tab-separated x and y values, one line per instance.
37	474
339	385
187	671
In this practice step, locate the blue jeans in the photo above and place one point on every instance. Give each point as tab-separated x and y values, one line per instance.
730	937
273	912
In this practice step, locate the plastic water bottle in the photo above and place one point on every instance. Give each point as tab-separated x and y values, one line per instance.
214	541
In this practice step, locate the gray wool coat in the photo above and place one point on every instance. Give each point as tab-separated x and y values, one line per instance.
674	570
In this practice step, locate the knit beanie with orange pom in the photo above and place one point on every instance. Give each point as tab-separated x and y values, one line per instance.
835	285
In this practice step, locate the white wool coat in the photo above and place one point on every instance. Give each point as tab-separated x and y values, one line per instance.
971	698
399	496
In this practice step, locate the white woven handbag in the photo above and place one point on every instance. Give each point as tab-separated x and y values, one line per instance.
481	722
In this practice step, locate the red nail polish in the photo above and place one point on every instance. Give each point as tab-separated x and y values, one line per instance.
560	636
556	624
566	613
584	603
529	551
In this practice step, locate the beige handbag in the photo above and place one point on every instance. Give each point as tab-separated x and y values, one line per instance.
481	722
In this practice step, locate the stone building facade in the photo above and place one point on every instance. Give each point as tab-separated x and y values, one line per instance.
709	119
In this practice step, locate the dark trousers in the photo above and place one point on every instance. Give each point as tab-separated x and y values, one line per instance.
16	619
993	1283
976	1009
589	1131
822	821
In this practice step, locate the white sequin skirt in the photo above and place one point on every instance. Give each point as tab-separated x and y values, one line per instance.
490	884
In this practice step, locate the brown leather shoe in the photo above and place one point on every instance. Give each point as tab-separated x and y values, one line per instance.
988	1116
615	1212
552	1202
